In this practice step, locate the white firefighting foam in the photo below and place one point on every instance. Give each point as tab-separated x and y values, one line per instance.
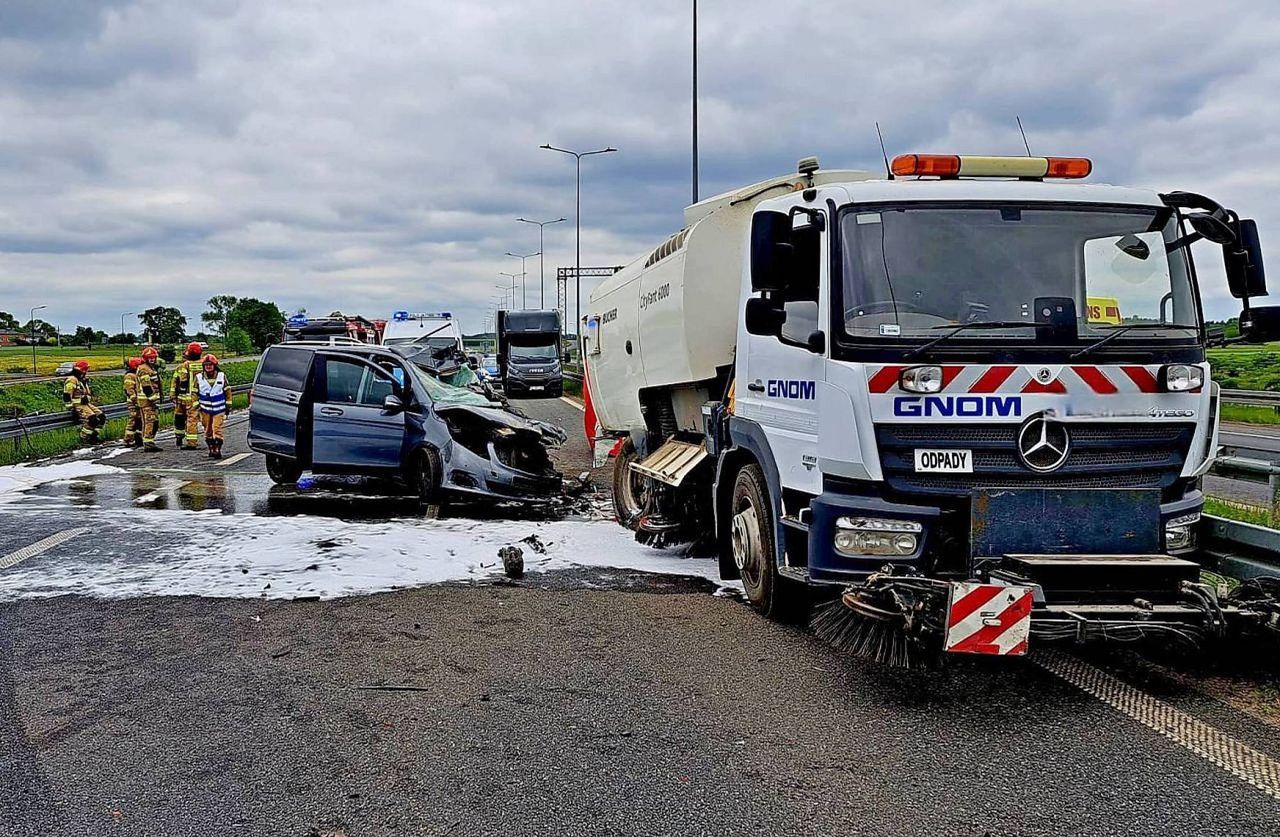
244	556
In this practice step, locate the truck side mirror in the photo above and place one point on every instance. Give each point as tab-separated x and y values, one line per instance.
771	251
762	317
1260	324
1243	259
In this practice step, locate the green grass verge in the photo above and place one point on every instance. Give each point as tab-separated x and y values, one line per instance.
1248	414
17	359
46	396
1243	512
572	387
67	439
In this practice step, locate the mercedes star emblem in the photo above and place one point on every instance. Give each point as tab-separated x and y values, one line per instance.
1043	444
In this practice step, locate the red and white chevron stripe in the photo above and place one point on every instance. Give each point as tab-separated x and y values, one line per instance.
988	619
1053	380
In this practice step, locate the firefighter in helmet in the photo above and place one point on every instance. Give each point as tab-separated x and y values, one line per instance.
215	403
183	389
133	424
77	395
149	393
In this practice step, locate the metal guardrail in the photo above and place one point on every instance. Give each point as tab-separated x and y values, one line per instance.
1251	397
16	428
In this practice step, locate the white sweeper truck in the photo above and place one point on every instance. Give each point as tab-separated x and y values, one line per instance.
969	398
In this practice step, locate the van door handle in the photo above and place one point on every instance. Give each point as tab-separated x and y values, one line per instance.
756	386
330	411
291	397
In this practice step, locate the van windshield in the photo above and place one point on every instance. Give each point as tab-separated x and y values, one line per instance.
911	271
547	352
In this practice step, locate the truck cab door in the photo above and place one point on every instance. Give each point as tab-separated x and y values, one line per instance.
352	429
779	376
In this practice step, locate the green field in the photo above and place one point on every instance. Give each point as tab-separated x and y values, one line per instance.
46	396
17	359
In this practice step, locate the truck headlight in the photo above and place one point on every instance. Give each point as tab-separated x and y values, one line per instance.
1180	377
876	536
924	379
1180	532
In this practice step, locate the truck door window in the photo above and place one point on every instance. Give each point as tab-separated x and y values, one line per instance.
342	381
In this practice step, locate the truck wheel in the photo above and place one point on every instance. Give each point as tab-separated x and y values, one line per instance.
751	536
630	490
282	471
425	476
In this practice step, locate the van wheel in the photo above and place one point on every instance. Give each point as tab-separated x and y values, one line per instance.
426	476
751	538
283	471
630	490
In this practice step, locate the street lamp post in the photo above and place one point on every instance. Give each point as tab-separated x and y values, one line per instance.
577	221
33	335
542	248
513	285
524	278
122	350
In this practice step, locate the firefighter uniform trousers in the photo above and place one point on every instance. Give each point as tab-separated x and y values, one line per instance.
214	404
186	418
77	395
133	424
148	399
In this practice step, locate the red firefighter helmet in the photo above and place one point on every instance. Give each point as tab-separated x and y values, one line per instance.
149	354
134	363
194	350
81	366
211	358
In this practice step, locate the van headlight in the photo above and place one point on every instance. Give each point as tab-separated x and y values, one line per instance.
1180	532
876	536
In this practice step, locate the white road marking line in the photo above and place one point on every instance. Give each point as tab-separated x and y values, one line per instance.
566	399
40	546
1211	744
231	460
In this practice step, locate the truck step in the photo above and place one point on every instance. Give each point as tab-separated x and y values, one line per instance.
795	574
795	523
1113	578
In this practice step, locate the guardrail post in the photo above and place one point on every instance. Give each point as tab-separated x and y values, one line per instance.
1273	481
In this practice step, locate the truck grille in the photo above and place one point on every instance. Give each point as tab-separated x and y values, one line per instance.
1103	455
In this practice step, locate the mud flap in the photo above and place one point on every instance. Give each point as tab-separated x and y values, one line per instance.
988	619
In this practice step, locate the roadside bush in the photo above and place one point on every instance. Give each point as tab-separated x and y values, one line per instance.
168	353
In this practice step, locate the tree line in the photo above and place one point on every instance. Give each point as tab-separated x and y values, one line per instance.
243	324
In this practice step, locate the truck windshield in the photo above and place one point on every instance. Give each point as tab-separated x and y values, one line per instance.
533	352
912	271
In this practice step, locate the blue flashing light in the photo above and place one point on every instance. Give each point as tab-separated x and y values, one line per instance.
400	316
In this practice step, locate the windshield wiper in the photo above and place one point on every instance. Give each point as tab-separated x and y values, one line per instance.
921	349
1116	331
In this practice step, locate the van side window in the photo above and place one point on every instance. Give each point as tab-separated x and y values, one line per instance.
377	388
342	381
285	368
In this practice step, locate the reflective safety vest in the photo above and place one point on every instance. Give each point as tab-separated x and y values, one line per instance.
213	394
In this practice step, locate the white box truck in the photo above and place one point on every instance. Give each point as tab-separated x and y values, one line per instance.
972	396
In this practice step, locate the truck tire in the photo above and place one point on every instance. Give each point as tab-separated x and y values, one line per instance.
283	471
752	536
426	474
628	487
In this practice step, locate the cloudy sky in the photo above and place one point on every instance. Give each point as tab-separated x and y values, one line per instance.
375	155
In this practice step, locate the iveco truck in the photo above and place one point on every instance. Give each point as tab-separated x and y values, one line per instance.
529	353
971	395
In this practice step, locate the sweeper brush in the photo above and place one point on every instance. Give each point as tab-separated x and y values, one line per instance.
888	620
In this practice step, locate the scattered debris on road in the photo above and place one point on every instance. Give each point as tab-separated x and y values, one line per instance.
512	561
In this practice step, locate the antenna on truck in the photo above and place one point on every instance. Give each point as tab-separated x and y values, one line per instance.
887	170
1025	144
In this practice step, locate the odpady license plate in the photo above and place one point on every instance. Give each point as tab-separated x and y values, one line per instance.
944	461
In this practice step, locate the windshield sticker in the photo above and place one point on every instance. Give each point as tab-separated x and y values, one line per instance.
890	330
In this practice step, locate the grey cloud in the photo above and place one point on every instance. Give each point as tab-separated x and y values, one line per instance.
373	156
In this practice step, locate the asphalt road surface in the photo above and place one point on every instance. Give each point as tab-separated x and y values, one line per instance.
581	700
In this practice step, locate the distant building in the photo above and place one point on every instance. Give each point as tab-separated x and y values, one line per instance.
11	338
